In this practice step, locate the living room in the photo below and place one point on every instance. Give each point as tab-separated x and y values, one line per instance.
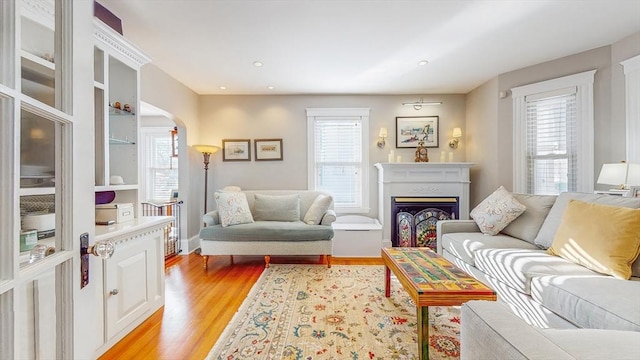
476	95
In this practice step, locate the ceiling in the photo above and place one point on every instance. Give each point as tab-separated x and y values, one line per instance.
363	46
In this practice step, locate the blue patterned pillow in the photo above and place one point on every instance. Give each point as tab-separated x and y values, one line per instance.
233	208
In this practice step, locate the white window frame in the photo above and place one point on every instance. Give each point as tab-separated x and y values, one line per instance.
147	134
362	114
583	82
632	89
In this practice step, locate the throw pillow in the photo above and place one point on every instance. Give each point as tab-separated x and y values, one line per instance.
603	238
317	210
233	208
276	207
496	211
527	225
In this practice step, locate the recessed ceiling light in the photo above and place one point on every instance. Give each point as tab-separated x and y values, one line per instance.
223	88
423	62
270	87
257	63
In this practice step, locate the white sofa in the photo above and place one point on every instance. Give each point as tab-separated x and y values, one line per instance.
544	291
267	237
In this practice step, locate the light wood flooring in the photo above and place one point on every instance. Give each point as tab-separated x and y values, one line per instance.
199	304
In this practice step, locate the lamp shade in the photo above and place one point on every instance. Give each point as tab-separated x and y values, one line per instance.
613	174
383	132
457	132
210	149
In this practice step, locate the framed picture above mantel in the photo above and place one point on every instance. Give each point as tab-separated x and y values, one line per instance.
412	129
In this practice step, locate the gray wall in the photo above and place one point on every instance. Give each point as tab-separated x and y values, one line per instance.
609	114
255	117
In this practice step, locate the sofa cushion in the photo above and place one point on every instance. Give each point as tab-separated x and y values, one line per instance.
598	302
232	208
516	267
276	207
527	225
268	231
317	210
463	245
600	237
547	232
496	211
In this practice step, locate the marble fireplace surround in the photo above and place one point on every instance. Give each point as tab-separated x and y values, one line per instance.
420	179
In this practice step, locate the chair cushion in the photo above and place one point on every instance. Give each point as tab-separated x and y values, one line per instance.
496	211
597	301
463	245
600	237
516	267
268	231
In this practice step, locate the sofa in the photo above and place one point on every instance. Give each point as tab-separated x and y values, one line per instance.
558	298
269	222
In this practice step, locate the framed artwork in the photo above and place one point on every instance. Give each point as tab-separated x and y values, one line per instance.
236	150
410	130
268	149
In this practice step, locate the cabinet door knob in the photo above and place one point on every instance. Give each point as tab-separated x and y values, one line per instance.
114	292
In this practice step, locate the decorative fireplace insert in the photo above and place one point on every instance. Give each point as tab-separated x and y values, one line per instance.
414	219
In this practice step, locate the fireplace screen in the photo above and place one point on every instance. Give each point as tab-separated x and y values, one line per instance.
414	219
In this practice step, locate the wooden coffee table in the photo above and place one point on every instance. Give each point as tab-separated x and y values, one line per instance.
430	280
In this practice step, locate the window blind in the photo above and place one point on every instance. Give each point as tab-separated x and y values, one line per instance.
551	142
338	159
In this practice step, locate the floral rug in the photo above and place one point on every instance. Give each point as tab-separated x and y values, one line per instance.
305	312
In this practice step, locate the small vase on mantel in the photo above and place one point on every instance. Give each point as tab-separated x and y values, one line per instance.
421	152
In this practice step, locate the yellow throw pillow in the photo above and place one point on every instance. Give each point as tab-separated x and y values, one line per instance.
603	238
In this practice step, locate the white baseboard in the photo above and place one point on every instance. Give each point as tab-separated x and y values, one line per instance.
190	245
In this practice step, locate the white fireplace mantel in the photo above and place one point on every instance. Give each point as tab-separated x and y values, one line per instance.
420	179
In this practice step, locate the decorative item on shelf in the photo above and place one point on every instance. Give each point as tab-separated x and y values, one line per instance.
382	136
206	151
117	105
622	175
421	153
419	104
457	134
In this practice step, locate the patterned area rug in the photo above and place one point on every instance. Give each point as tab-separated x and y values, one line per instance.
304	312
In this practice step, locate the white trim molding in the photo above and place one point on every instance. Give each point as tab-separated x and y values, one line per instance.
583	82
632	90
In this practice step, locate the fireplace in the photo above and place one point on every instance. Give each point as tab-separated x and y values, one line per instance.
413	219
421	180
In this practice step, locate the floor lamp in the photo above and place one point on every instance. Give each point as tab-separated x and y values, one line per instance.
206	151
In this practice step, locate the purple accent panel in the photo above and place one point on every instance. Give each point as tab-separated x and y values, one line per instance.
105	197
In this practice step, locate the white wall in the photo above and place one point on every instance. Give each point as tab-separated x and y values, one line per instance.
496	168
256	117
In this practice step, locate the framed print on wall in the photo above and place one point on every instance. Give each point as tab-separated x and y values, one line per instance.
236	150
410	130
268	149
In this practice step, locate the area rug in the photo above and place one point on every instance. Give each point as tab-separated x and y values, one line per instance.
304	312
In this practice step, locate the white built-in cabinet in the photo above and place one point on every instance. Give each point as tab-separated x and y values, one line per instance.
133	278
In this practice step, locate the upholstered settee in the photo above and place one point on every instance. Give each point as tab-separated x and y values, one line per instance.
269	222
549	277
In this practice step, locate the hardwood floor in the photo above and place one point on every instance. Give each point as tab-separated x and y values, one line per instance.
199	304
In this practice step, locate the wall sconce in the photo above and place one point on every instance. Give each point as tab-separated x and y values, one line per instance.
382	136
457	134
419	104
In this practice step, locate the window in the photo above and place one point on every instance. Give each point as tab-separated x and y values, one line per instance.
338	160
553	135
160	168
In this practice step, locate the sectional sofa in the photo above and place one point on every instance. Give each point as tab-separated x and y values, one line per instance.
541	293
269	222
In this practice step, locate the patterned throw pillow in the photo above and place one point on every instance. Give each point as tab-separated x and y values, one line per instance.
233	208
496	211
